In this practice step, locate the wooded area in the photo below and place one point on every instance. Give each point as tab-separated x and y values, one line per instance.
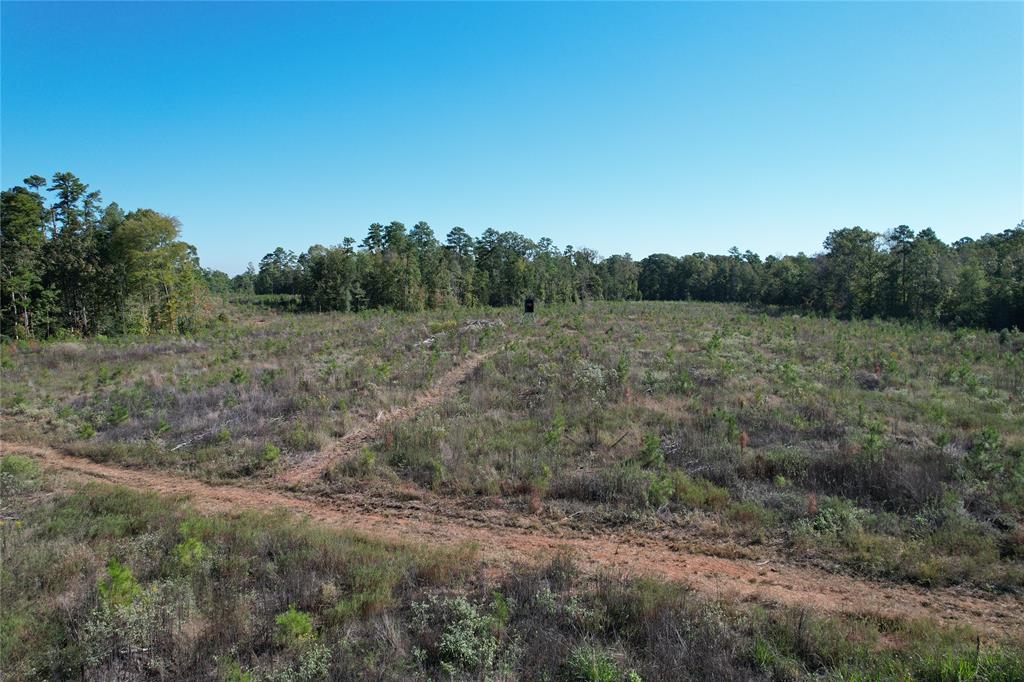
73	266
861	273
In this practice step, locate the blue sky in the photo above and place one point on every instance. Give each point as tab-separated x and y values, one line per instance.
623	127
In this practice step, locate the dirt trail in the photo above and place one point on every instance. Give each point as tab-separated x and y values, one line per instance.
353	441
504	538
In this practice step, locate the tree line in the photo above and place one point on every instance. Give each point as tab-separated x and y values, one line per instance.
412	270
860	273
71	265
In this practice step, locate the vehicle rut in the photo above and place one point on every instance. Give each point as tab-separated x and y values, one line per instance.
354	440
505	538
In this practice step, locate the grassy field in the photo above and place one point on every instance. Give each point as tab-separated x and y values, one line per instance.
231	400
889	451
896	450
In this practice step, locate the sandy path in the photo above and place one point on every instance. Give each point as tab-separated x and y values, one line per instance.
504	538
354	440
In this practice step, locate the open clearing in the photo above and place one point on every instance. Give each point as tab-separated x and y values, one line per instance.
864	475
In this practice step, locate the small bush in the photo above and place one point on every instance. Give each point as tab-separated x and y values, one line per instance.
18	474
118	587
590	664
191	553
232	671
466	641
651	456
698	493
119	414
271	453
373	585
294	628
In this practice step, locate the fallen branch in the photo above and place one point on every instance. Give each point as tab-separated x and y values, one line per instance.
206	433
612	446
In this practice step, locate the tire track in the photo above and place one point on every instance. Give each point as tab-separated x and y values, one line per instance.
354	440
504	539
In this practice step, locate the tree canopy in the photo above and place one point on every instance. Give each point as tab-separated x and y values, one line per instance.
72	265
859	273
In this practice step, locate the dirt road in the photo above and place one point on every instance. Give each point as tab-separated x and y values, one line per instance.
504	538
354	440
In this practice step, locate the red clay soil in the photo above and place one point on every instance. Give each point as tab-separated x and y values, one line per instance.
503	539
353	441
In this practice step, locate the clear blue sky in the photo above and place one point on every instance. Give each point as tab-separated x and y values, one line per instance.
623	127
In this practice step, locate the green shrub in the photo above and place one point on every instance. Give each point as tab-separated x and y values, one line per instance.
118	587
651	456
18	473
271	453
119	414
314	664
501	612
191	553
467	642
994	666
294	628
590	664
304	438
373	584
162	427
698	493
659	492
836	518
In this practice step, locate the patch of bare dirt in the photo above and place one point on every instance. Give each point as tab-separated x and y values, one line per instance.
504	538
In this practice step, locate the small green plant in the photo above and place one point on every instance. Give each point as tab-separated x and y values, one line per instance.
836	518
553	436
191	551
651	456
683	381
660	491
232	671
984	457
18	474
294	628
118	587
119	414
271	453
303	438
698	493
590	664
372	590
501	612
18	466
467	642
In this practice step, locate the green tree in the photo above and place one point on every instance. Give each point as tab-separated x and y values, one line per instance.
852	272
21	252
